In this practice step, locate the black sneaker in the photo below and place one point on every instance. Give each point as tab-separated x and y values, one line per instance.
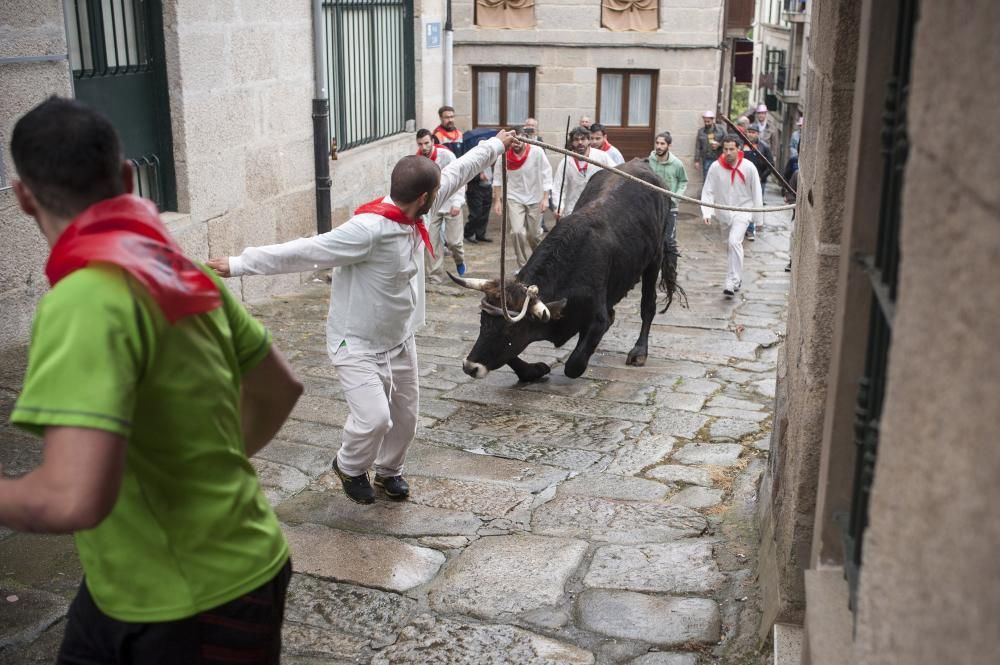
393	486
484	239
357	488
728	292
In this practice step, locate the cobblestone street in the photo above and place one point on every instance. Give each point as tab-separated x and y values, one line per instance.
607	519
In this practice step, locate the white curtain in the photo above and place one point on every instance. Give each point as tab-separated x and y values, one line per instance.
488	96
640	89
518	97
611	100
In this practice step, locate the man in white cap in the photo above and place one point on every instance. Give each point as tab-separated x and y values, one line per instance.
733	181
708	145
770	133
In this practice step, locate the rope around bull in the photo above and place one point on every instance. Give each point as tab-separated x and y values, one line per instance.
629	176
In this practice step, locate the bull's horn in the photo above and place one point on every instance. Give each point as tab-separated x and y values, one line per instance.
470	282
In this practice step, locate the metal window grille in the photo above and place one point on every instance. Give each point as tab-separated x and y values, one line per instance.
117	57
883	270
370	69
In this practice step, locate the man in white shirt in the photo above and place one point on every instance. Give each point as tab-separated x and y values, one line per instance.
733	181
577	174
376	306
447	220
529	179
599	140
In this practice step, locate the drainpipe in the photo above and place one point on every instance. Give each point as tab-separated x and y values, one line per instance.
449	41
321	121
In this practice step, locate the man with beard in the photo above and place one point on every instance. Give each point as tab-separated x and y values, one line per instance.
567	190
671	170
529	179
447	134
447	220
732	181
376	306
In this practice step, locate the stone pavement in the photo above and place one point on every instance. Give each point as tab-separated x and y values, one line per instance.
607	519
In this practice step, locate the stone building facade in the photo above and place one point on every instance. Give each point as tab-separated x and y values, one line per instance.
877	510
569	57
239	90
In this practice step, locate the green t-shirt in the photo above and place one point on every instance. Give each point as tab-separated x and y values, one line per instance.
191	529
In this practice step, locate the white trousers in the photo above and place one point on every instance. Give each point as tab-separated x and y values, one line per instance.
453	235
525	228
383	395
737	229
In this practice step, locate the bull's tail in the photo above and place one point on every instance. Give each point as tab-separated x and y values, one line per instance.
668	274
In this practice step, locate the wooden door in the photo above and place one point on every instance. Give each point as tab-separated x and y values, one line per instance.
626	106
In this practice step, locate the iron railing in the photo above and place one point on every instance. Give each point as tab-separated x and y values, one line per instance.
883	270
117	57
370	69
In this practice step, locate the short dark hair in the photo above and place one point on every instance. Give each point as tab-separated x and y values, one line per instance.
412	176
597	127
445	108
732	138
579	131
666	137
69	155
753	128
421	133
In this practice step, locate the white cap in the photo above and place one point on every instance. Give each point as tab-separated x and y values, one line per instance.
762	108
708	114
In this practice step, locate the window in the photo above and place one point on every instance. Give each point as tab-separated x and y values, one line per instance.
638	15
502	96
626	105
512	14
370	69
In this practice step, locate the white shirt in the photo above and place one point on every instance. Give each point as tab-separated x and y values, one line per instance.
377	293
528	184
443	158
615	154
722	186
575	179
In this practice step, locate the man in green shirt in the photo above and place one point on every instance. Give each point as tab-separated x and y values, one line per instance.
671	170
151	386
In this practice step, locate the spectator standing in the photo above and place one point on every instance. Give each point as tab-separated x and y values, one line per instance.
708	143
446	133
529	180
585	121
447	221
567	190
377	301
151	386
599	140
733	181
671	170
757	158
770	133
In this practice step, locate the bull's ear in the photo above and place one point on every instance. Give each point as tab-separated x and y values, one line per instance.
556	308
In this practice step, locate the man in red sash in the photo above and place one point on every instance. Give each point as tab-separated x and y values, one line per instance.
529	179
151	386
567	188
376	306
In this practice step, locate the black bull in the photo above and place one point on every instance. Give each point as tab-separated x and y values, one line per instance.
615	237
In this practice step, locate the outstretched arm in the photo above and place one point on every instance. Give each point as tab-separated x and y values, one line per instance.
457	174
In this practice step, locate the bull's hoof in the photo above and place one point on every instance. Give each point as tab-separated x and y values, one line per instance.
575	370
532	372
636	357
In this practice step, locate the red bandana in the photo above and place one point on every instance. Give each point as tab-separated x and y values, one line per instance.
448	136
735	169
606	146
390	211
581	169
126	231
513	161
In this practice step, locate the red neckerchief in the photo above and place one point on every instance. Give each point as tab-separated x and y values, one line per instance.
126	231
433	156
583	170
605	146
513	161
735	169
448	135
390	211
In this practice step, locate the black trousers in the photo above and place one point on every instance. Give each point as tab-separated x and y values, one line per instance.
479	198
246	630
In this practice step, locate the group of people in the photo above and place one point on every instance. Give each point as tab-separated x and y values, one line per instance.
152	386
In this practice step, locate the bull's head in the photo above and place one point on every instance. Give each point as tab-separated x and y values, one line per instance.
502	338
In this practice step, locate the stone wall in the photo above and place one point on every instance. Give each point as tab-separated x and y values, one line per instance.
930	579
787	507
568	46
28	28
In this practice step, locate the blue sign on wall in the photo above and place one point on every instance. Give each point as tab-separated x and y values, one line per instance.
432	31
